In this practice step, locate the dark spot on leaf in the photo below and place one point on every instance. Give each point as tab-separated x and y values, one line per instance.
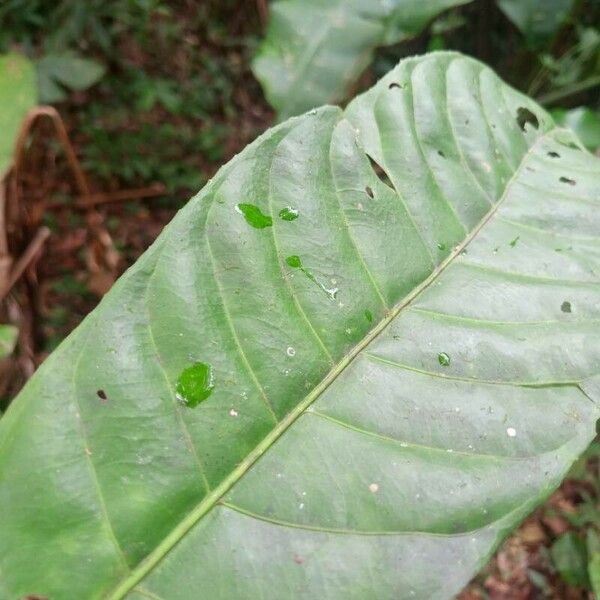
525	116
441	153
369	192
567	180
394	85
102	395
553	154
566	306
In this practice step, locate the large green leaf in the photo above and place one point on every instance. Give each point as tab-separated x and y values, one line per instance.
392	360
315	50
17	97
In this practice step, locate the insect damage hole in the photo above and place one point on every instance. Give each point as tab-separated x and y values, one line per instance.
525	116
567	180
102	395
381	174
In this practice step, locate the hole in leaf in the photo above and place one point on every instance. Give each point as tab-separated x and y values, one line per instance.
525	116
553	154
567	180
566	306
102	395
369	192
380	172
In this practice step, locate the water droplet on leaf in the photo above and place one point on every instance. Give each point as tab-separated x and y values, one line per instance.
288	213
195	384
294	261
254	216
444	359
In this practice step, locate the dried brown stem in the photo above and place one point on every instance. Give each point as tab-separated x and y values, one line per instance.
26	259
63	136
120	196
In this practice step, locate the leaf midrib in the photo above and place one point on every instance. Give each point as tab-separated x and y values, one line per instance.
211	500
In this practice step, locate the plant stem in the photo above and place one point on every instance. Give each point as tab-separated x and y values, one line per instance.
565	92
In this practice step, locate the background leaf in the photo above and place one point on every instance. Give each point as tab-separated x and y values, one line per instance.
8	339
68	70
17	97
584	121
537	20
390	381
314	50
593	553
570	558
